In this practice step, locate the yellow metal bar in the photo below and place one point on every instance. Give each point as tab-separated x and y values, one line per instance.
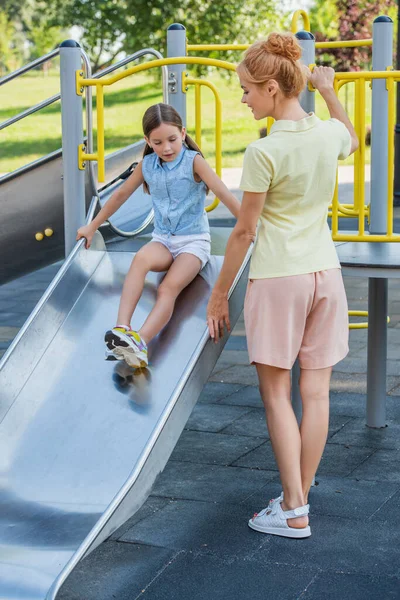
197	108
391	127
242	47
344	44
270	122
357	152
218	130
178	60
100	133
359	200
296	17
342	237
211	47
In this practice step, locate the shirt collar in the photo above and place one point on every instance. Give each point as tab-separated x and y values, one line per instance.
174	163
301	125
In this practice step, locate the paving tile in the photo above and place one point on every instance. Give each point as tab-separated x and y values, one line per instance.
340	545
199	576
151	506
390	511
213	483
246	396
212	448
349	498
115	570
355	382
198	526
214	417
336	423
236	342
356	433
383	465
215	391
253	423
261	458
246	375
352	586
228	358
341	460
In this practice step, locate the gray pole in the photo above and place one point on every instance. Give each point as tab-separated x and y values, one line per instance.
307	43
72	136
176	46
382	57
307	101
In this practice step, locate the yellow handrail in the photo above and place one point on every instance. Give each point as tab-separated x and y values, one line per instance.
218	125
242	47
296	16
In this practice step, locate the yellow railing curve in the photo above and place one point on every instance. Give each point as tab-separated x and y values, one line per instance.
218	124
296	16
81	83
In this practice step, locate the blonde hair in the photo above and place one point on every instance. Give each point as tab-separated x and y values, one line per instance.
277	58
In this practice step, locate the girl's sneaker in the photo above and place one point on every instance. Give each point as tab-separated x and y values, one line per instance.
127	344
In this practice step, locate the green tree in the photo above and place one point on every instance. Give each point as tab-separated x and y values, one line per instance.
110	27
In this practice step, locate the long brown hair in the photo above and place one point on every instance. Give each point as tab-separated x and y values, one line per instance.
277	58
154	117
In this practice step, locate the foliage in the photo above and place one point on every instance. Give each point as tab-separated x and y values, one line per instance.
110	27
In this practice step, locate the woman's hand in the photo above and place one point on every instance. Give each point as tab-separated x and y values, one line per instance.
86	232
218	315
321	78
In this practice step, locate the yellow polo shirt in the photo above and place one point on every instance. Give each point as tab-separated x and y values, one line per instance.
296	164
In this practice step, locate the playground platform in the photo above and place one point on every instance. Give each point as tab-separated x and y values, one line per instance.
191	540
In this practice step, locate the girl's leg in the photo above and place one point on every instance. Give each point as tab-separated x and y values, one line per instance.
314	389
183	270
285	435
152	257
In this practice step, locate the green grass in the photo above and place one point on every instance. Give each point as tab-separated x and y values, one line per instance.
125	103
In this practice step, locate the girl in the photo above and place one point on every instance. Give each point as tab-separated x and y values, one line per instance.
174	171
295	303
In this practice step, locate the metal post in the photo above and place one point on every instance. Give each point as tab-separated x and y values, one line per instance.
176	46
307	43
72	136
307	101
382	36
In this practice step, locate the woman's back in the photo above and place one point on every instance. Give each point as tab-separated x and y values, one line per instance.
296	165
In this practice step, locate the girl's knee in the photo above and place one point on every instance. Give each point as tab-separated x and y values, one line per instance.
168	291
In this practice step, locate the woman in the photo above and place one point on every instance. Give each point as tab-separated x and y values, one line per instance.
295	302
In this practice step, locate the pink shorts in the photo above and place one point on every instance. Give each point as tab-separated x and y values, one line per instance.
302	315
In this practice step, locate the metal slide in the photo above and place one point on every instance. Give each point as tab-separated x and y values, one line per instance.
82	440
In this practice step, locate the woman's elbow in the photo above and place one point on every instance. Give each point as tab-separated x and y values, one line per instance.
354	144
245	233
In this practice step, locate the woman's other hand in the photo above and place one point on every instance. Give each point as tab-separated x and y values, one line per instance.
321	78
218	315
86	232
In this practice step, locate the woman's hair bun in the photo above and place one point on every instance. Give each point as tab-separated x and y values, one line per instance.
283	44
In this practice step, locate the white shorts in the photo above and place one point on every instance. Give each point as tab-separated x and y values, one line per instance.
198	244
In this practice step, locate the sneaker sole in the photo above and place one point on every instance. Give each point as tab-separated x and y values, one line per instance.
123	351
283	532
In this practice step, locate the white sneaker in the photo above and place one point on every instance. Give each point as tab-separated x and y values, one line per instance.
273	520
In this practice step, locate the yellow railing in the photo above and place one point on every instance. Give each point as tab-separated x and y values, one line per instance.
359	210
81	82
218	124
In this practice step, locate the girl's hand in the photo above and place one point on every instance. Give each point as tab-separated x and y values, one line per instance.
321	78
86	232
218	315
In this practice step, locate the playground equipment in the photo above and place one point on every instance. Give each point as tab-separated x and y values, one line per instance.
81	441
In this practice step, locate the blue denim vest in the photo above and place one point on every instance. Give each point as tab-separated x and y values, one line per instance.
178	200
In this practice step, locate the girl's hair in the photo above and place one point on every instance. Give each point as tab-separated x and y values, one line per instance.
156	115
277	58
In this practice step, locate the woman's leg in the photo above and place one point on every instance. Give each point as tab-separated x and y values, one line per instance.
284	432
314	390
182	271
152	257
